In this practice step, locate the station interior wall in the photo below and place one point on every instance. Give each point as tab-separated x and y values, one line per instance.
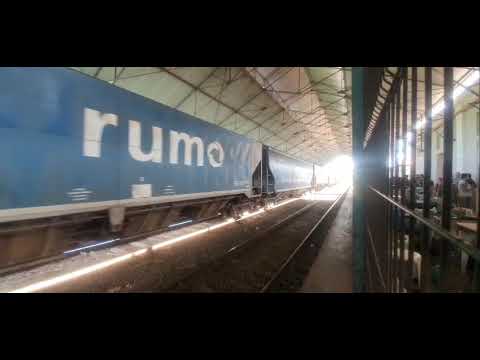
465	147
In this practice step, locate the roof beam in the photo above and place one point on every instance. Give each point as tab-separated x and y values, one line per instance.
195	88
250	100
211	97
98	72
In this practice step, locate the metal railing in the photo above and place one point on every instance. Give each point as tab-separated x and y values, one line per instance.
407	251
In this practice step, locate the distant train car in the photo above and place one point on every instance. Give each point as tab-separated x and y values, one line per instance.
289	174
321	177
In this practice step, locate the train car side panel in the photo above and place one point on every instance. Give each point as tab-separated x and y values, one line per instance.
70	140
289	173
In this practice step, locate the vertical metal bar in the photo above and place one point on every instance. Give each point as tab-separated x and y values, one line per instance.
386	222
387	212
392	195
368	283
404	168
476	269
393	228
358	178
392	191
413	165
447	171
389	207
426	266
261	171
396	193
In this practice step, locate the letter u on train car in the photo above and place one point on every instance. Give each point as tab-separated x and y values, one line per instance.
135	143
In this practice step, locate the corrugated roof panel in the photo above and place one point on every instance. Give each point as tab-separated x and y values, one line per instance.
194	75
231	93
127	72
248	93
160	87
246	125
198	105
87	70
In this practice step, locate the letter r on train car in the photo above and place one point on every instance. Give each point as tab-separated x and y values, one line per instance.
93	124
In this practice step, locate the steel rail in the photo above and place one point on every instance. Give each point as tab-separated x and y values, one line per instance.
288	260
29	264
235	249
243	244
271	228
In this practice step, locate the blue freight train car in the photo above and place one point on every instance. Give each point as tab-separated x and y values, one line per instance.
80	159
289	174
71	143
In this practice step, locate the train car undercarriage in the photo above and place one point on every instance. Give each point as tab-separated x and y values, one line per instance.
27	241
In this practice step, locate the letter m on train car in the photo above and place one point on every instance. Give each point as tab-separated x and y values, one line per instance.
176	138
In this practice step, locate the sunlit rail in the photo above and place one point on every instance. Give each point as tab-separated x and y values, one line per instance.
330	193
44	284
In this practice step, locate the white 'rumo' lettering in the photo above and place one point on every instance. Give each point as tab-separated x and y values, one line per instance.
135	143
175	139
93	124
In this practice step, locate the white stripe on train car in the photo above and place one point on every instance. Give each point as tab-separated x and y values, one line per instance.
297	188
66	209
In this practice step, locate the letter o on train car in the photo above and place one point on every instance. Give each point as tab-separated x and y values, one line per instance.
212	147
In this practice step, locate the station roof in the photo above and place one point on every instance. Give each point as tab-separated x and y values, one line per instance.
302	111
465	94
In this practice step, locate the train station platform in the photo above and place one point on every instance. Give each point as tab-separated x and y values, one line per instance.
332	270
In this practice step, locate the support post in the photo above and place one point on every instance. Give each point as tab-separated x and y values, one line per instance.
358	127
413	165
449	115
426	270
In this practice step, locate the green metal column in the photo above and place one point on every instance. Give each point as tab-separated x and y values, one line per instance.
358	127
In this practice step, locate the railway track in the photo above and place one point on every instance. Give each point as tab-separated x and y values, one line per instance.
268	260
75	248
87	246
163	271
155	268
